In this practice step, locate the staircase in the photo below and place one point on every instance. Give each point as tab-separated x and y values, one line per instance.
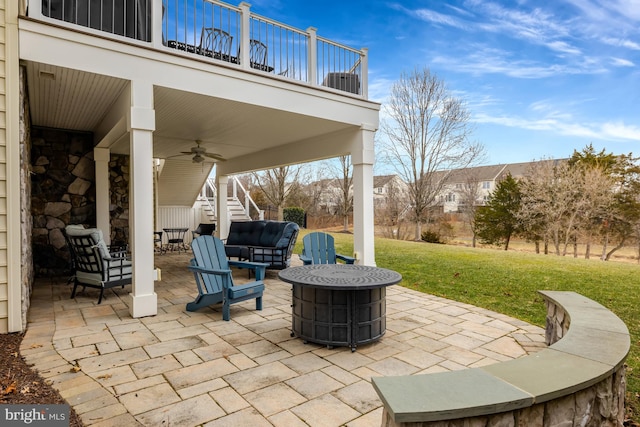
236	209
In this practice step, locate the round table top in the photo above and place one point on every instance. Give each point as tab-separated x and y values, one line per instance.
340	276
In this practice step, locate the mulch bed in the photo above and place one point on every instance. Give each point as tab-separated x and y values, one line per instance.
19	384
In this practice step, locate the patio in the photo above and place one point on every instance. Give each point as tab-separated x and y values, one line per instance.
180	368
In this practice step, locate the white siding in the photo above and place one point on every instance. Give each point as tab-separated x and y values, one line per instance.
4	293
176	217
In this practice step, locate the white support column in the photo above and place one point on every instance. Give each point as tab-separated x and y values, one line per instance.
101	157
221	205
362	158
143	299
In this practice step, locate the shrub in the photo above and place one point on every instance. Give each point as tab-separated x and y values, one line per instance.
294	214
431	236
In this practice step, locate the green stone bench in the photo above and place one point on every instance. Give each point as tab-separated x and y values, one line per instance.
579	377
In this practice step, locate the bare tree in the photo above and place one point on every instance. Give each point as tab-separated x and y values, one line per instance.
308	196
428	131
276	184
344	179
565	199
390	210
470	201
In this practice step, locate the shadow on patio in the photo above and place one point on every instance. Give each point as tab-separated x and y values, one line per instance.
180	368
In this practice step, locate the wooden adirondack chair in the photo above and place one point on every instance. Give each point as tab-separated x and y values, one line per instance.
318	248
212	272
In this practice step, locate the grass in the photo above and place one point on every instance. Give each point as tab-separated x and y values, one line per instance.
507	282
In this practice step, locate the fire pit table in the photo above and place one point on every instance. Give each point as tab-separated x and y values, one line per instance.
338	304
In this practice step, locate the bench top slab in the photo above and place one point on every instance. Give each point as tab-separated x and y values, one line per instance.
448	395
594	347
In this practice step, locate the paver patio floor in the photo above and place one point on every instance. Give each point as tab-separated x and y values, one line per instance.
182	368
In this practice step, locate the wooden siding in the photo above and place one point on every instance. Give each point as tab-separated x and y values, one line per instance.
4	292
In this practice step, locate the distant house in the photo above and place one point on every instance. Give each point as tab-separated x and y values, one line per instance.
389	189
329	192
473	186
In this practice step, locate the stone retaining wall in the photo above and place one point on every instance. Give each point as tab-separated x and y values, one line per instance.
578	381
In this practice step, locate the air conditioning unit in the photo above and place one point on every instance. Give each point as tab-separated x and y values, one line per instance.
347	82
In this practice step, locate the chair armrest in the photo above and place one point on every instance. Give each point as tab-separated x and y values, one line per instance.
258	267
346	259
247	264
305	259
118	254
196	269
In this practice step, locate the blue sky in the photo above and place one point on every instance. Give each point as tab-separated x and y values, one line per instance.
540	78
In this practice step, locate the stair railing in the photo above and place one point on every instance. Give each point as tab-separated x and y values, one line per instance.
236	184
248	201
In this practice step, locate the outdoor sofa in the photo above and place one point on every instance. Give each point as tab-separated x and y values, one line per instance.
270	242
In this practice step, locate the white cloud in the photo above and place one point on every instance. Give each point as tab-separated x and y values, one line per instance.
563	47
619	130
494	61
620	62
614	41
600	131
438	18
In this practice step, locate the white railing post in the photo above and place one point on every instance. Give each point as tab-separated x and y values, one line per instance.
245	34
235	187
364	72
312	60
157	32
35	9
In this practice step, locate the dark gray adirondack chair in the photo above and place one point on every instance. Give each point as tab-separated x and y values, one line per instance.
212	272
318	248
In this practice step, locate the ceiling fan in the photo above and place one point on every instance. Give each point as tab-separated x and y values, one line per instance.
200	154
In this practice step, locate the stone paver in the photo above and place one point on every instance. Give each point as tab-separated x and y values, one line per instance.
192	369
186	413
314	384
273	399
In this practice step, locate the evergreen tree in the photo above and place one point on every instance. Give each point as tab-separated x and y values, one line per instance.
497	222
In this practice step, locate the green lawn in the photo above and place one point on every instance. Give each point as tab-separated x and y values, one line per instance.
507	282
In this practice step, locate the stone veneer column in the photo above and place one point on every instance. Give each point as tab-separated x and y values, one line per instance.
143	299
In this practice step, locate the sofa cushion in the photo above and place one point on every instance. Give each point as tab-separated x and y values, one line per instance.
245	233
271	234
96	235
285	238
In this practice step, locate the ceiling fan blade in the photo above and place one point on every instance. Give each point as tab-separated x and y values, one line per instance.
214	156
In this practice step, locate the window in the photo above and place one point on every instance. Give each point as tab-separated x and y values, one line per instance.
486	185
451	197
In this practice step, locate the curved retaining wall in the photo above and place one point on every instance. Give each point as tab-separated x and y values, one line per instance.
579	380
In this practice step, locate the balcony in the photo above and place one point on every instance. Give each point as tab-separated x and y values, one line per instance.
218	33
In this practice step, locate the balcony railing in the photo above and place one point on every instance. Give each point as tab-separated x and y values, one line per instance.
218	32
